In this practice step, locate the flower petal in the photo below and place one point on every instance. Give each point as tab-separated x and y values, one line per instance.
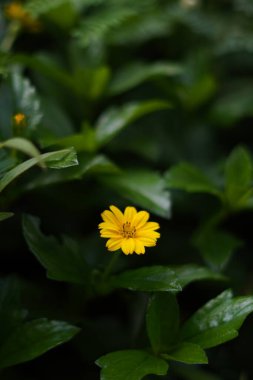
139	247
118	214
128	246
114	244
147	241
151	226
147	234
108	226
129	214
109	217
140	219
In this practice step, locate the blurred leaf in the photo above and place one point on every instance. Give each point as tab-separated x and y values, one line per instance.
5	215
147	189
188	353
95	26
39	7
63	261
218	320
57	160
134	74
238	176
148	279
162	322
130	364
216	247
26	99
24	146
34	338
11	313
189	178
91	82
114	120
192	272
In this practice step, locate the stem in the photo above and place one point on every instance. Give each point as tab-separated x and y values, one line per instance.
110	266
10	36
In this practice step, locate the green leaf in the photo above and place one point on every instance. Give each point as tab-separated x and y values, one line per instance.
218	320
162	321
192	272
23	145
26	99
189	178
188	353
39	7
130	364
11	313
238	176
134	74
144	188
57	160
5	215
63	261
114	120
216	247
148	279
34	338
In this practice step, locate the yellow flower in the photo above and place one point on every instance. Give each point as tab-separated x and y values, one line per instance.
16	11
19	119
130	231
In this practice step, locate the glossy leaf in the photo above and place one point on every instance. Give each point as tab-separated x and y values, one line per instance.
134	74
188	353
191	272
114	120
56	160
63	261
162	321
148	279
145	188
238	175
26	99
189	178
218	320
130	364
32	339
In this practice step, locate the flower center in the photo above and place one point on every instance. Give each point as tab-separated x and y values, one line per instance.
128	231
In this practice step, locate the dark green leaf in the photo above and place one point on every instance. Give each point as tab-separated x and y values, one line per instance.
148	279
23	145
188	353
114	120
192	272
144	188
218	320
34	338
216	247
26	98
162	321
238	176
11	313
130	364
189	178
63	262
56	160
134	74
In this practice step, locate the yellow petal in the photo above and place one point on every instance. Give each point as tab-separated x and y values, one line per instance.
148	242
139	247
109	217
140	219
118	214
110	234
108	226
128	246
147	234
129	214
114	244
151	226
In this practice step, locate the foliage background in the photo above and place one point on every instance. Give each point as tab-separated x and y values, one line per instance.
136	88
